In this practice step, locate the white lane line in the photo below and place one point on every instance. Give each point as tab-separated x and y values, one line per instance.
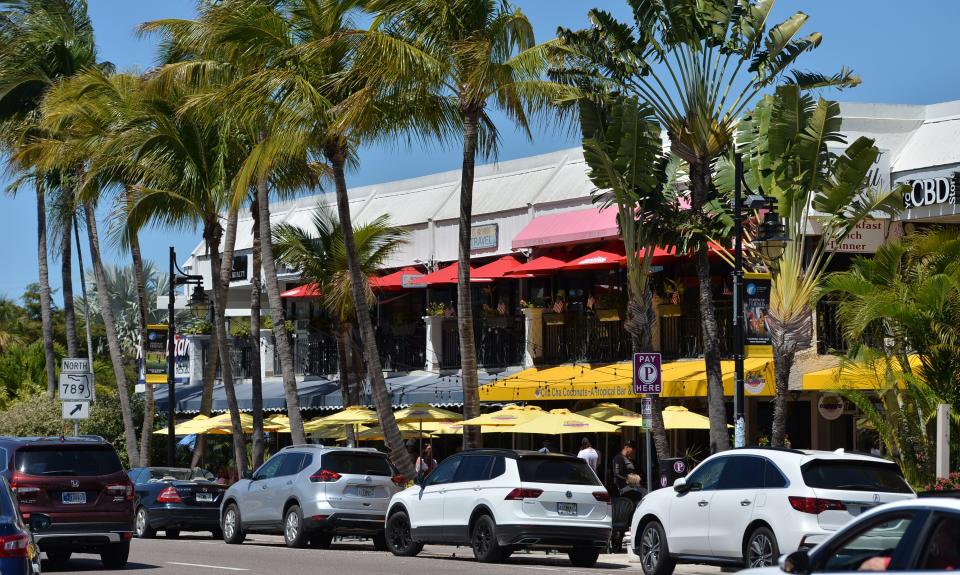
207	566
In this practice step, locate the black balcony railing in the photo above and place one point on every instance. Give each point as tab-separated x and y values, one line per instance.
402	348
830	337
574	336
499	341
682	335
313	354
241	355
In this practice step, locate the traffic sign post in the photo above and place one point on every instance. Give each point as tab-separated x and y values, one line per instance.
648	380
76	410
77	389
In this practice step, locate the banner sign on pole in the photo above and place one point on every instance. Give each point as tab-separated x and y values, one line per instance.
647	376
154	369
756	306
646	412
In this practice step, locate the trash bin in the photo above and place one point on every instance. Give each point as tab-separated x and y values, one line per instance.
672	469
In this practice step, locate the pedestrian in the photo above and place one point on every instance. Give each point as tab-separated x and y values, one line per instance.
546	447
624	469
426	463
589	454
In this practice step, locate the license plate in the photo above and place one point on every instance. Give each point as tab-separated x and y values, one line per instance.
365	491
566	509
205	497
73	497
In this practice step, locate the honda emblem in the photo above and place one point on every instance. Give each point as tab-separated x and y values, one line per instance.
74	483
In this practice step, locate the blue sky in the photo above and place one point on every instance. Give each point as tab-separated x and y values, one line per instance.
902	55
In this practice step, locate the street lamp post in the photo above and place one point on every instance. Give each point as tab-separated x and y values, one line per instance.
199	304
770	242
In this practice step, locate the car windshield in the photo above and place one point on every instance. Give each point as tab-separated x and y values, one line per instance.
178	473
556	470
854	476
81	461
352	463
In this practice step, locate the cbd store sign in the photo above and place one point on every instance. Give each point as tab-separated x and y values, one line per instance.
932	191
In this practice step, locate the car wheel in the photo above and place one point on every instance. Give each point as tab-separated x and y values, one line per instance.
321	540
294	535
483	539
583	556
172	533
58	556
232	525
142	525
114	556
380	541
399	536
653	551
761	549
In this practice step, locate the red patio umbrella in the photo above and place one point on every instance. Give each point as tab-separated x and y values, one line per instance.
447	275
306	290
542	265
497	268
598	259
395	281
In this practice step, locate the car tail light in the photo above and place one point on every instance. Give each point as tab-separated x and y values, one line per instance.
25	493
816	506
601	496
16	545
121	491
169	495
325	476
399	480
519	493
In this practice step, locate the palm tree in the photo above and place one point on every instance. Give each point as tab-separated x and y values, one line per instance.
473	55
785	147
41	42
698	64
320	256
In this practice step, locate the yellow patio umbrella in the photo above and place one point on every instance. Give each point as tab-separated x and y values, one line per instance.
456	428
677	417
424	412
352	415
317	424
186	427
563	421
610	413
406	432
277	419
509	415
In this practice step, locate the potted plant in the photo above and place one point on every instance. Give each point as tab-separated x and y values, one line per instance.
609	306
436	309
673	293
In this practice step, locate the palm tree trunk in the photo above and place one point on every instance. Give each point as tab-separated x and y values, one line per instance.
468	349
788	337
66	274
344	350
46	314
716	408
146	434
256	382
113	343
336	154
280	335
218	269
783	363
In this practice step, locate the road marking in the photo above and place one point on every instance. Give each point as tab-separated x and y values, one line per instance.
207	566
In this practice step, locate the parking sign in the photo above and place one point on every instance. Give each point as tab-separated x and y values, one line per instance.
647	378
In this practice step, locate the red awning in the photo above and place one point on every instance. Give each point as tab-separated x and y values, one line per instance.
568	227
306	290
537	266
497	268
598	259
447	275
396	280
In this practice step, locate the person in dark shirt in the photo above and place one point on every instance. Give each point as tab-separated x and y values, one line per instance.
623	466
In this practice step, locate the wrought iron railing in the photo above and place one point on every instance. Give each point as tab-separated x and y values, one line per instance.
315	354
681	336
574	336
402	348
499	341
241	355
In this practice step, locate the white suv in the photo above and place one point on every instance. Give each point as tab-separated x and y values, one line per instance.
746	507
500	500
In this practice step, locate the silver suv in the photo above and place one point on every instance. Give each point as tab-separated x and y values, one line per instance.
310	493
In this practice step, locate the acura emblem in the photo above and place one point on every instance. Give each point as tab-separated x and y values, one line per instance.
569	495
876	498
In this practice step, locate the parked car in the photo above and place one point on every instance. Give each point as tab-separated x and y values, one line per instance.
501	500
79	483
19	554
747	506
175	499
917	536
310	493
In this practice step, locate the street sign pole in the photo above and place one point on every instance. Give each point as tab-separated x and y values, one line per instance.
647	381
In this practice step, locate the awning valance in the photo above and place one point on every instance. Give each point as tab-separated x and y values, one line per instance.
615	381
567	228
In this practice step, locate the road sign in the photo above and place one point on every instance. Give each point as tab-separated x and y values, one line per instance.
76	410
647	377
77	387
74	365
646	412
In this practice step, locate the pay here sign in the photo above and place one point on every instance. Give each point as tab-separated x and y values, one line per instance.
646	373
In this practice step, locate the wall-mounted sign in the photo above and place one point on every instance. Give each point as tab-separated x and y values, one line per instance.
931	191
865	237
406	280
483	237
238	271
756	304
830	406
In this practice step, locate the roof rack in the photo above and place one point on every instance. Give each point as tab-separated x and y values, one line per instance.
769	448
56	438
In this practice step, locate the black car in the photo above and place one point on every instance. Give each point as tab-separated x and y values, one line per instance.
173	499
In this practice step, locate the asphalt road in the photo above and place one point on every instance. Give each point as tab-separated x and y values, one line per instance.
267	555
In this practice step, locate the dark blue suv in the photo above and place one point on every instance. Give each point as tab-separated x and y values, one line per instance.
18	552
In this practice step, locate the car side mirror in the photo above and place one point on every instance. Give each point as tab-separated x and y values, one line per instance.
39	522
680	485
797	562
419	480
249	475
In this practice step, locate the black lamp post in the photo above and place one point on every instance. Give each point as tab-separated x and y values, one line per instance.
770	241
199	305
